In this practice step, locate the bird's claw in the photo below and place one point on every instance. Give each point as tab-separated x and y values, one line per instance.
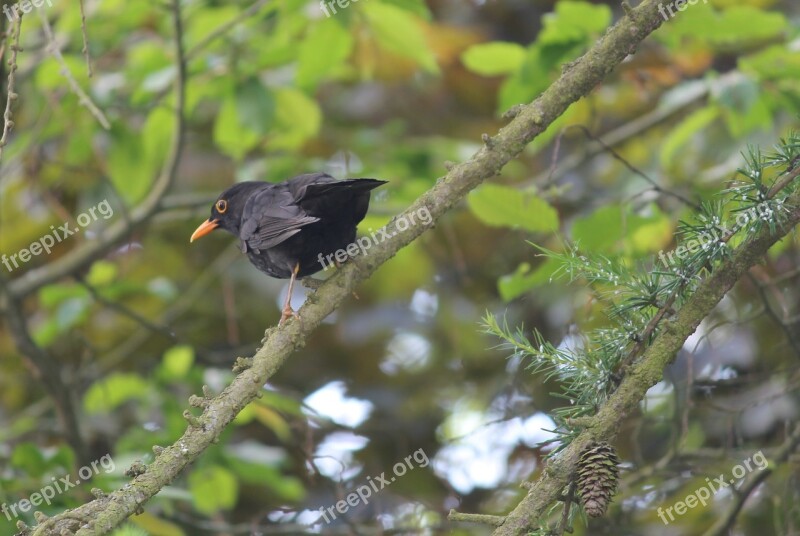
288	313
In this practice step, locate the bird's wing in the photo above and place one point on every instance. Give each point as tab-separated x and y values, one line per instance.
331	198
270	217
301	185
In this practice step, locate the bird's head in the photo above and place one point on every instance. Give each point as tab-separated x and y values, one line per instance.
226	213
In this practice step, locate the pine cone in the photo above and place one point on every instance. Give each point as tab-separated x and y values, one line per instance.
598	476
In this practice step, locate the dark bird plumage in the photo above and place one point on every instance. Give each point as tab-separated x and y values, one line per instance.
284	227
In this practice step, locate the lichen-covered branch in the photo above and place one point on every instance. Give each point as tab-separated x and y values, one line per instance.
578	79
642	375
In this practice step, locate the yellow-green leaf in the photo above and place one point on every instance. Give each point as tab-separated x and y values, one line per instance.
108	393
177	361
400	32
493	59
502	206
326	47
298	119
213	489
157	527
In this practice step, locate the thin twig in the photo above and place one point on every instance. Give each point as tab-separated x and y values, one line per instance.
85	42
83	98
119	230
11	96
779	319
124	311
103	514
120	351
482	519
563	524
753	480
46	369
223	29
666	308
632	168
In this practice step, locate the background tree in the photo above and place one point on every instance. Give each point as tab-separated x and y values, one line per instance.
155	108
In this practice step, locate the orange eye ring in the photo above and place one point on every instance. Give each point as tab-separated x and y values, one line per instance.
222	206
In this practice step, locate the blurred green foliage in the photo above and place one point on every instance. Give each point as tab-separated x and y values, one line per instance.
388	89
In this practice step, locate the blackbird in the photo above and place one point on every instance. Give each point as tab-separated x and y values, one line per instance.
285	227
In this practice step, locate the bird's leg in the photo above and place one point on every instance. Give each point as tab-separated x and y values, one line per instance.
287	305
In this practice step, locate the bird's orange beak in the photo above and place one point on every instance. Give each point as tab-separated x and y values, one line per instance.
205	228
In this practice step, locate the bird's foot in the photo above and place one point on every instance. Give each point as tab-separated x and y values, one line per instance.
287	313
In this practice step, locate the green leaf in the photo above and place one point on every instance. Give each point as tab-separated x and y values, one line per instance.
255	106
599	231
324	50
49	76
399	31
135	158
282	403
287	488
744	107
29	458
52	295
298	119
774	63
108	393
737	27
687	128
125	170
207	20
493	59
574	21
213	489
177	361
502	206
152	525
648	235
101	273
131	530
523	279
233	138
612	226
156	139
417	7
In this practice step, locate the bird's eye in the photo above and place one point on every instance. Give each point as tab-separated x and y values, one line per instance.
222	206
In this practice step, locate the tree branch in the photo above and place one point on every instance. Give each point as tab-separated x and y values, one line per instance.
103	514
11	96
45	369
726	522
642	375
139	215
